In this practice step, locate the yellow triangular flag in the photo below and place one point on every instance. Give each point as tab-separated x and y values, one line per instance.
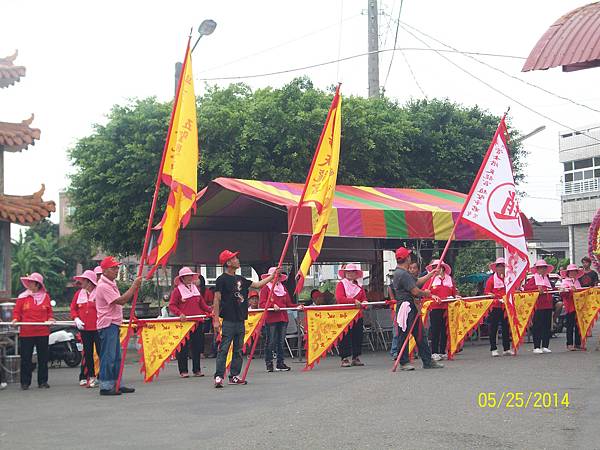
463	318
524	306
587	307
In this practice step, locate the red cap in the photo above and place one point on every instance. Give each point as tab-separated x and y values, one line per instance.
226	255
402	253
108	262
253	294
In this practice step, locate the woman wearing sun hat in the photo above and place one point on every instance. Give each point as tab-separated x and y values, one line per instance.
350	291
542	318
186	300
495	286
442	286
83	312
570	282
276	320
33	305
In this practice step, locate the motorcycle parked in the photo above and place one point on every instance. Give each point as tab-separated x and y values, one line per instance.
63	345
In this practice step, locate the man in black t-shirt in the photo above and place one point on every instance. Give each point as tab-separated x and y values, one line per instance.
231	304
590	277
405	290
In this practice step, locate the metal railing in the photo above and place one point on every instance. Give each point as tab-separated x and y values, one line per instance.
581	186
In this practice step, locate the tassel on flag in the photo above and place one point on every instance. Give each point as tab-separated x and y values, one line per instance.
180	168
319	189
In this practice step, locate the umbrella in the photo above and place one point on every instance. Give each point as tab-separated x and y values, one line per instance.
475	278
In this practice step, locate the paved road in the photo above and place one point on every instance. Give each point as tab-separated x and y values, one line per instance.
328	408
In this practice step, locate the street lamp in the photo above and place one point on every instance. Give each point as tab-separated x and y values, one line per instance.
206	27
528	135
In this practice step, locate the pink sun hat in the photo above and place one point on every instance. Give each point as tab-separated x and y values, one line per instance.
89	275
564	273
541	263
282	276
493	265
183	272
350	267
98	270
33	277
433	264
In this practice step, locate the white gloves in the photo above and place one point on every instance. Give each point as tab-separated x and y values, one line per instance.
79	323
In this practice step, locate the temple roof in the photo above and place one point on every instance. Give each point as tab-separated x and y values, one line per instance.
9	73
26	209
15	137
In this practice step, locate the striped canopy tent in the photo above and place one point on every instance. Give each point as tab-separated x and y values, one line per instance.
253	216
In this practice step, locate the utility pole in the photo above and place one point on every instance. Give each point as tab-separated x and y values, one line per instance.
373	49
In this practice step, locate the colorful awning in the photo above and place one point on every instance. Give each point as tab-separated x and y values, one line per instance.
359	211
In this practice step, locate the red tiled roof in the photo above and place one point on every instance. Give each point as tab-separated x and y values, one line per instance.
15	137
26	209
573	41
9	73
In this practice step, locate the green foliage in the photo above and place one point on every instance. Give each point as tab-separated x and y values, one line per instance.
270	134
147	292
474	257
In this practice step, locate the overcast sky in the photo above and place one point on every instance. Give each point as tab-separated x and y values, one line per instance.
83	57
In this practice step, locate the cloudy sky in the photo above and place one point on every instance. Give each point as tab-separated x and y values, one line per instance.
83	57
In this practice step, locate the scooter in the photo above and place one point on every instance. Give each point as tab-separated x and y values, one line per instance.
64	346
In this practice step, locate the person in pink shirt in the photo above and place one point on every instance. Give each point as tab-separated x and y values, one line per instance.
186	300
350	291
109	305
570	283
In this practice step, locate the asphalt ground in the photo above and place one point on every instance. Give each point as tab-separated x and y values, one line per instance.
327	408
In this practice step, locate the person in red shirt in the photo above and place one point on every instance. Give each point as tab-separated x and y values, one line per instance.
83	312
276	320
186	300
350	291
570	283
442	286
495	286
542	319
33	305
208	296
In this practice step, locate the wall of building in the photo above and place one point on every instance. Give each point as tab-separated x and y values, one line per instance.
579	210
580	241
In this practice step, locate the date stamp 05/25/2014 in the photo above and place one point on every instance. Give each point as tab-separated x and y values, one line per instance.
523	400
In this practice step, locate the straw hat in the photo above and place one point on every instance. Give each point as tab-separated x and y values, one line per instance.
33	277
433	264
184	271
564	273
350	267
542	263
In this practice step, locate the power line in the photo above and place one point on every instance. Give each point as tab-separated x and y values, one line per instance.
395	44
497	69
347	58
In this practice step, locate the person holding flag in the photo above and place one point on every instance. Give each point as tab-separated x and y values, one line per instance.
570	283
231	304
542	318
495	286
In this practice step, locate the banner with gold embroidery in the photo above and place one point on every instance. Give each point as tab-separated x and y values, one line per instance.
463	318
250	331
159	341
122	333
587	307
326	327
524	307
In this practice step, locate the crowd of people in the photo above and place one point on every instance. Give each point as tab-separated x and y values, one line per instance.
97	310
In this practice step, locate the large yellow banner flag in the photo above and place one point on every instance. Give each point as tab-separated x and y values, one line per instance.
179	167
123	329
159	341
463	318
320	184
524	307
587	307
250	332
324	328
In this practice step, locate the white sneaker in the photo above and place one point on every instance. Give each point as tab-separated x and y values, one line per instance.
444	356
546	350
3	385
537	351
510	352
436	357
83	383
495	353
93	383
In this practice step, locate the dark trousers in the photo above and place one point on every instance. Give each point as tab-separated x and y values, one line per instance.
497	317
573	330
542	328
26	345
437	330
193	346
231	333
419	335
351	344
110	356
275	340
90	341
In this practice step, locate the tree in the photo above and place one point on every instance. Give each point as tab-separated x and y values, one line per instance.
473	257
270	134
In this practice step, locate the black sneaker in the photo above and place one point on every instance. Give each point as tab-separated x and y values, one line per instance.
270	366
282	368
24	387
109	392
44	386
237	380
126	390
433	365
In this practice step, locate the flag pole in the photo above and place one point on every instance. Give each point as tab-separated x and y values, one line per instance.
289	236
149	225
406	340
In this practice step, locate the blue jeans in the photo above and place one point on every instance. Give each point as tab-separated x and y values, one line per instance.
275	338
418	333
110	356
395	341
231	332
